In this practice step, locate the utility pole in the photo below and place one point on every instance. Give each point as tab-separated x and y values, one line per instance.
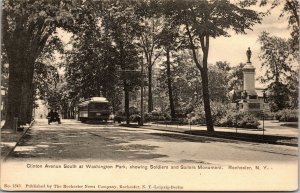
142	93
141	122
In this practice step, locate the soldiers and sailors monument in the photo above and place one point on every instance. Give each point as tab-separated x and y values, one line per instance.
249	101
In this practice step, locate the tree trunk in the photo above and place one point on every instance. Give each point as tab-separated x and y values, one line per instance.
26	106
204	75
125	84
150	99
204	41
206	101
30	110
126	93
14	88
16	49
17	46
25	103
170	90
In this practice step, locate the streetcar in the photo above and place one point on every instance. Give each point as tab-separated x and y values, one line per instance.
94	109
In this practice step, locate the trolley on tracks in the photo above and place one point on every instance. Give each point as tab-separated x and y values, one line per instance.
94	109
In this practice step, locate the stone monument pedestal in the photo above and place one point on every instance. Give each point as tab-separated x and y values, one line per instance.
250	105
249	102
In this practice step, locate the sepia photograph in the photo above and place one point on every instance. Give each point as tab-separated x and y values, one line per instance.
149	95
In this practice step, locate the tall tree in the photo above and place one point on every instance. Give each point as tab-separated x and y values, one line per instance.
293	87
91	66
275	57
169	41
236	76
218	78
123	26
203	20
149	44
186	82
27	27
277	61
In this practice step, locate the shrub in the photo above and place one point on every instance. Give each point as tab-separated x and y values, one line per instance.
218	110
181	121
134	117
267	115
239	119
226	116
156	116
133	110
287	115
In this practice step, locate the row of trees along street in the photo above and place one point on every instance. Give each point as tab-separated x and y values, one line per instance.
112	40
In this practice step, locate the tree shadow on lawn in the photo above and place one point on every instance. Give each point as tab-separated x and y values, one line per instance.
292	125
271	139
182	137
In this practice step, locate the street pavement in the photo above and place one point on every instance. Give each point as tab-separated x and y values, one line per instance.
73	140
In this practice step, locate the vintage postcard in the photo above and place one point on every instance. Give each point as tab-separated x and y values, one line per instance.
149	95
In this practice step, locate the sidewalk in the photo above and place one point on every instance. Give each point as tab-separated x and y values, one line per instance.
9	140
274	132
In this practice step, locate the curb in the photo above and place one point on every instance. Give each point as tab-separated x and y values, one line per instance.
245	139
222	138
18	141
186	134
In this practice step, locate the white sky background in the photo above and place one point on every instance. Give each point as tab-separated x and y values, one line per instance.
233	49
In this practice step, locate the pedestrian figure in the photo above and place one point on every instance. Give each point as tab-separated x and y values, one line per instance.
118	117
245	94
138	119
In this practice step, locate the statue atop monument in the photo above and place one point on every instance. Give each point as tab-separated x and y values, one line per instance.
248	53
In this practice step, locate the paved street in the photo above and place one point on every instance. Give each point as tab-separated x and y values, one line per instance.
75	140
